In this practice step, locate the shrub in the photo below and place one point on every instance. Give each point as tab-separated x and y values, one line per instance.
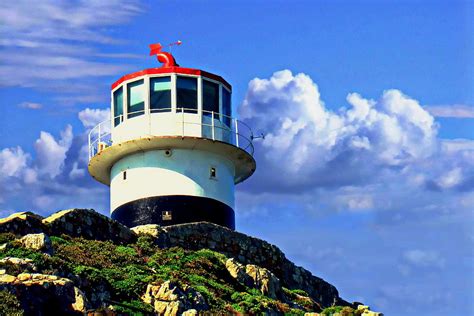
9	304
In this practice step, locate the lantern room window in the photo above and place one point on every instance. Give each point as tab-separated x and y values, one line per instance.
186	91
136	98
118	106
210	98
226	106
160	94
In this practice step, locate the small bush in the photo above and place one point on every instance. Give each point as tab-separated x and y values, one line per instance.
6	237
9	304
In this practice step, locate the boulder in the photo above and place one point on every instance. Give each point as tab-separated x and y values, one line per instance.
170	299
42	294
80	301
366	311
88	224
22	223
255	277
238	271
19	263
153	230
39	241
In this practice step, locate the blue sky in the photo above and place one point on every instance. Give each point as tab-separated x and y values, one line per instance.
366	176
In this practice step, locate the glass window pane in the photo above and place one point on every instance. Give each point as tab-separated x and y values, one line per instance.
210	98
136	98
226	106
186	91
118	106
160	94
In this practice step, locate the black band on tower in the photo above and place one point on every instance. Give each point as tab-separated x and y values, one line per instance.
174	209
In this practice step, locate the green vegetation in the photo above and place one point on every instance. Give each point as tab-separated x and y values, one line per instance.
9	304
119	275
341	311
6	237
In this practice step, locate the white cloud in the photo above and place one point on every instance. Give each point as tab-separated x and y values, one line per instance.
51	154
311	145
13	161
455	111
450	179
91	117
423	258
76	172
54	43
30	105
55	177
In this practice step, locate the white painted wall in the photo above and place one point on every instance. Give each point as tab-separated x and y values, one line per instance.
185	172
171	124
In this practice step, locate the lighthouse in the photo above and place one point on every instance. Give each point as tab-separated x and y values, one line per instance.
171	151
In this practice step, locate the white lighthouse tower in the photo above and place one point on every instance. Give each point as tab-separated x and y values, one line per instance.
172	152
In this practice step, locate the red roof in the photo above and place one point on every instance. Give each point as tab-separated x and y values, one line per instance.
170	70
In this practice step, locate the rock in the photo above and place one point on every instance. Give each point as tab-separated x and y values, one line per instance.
169	299
22	223
264	280
238	271
367	312
153	230
21	262
255	277
43	294
6	278
88	224
24	276
363	308
80	301
39	241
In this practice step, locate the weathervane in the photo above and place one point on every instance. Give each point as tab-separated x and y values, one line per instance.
164	57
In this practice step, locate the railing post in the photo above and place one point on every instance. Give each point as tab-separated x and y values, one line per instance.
98	142
182	122
89	142
236	133
212	124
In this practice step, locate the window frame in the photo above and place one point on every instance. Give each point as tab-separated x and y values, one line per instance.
219	84
172	107
198	94
145	96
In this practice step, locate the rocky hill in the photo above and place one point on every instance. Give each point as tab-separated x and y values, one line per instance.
81	262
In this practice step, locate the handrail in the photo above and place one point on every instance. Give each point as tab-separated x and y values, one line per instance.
238	133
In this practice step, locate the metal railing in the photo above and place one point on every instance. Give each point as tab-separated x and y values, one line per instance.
215	126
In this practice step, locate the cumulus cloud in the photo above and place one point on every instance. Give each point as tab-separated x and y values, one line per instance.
92	117
311	145
55	176
51	153
12	161
378	155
